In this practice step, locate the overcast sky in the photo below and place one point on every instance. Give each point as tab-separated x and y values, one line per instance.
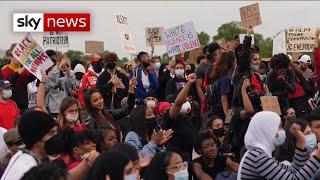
206	15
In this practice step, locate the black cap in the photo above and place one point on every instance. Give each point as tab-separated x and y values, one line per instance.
4	84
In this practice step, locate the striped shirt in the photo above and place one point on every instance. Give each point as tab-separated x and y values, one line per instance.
258	165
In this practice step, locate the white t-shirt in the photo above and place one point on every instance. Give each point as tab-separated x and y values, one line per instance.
19	164
145	80
3	146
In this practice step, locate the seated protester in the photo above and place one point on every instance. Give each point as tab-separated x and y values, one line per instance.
299	99
69	115
129	70
112	84
106	139
46	172
174	85
285	152
314	120
222	84
167	165
133	155
89	79
113	165
304	63
9	110
13	141
156	60
100	118
179	121
60	83
210	163
145	134
215	127
55	148
263	135
19	77
35	128
76	145
281	80
147	80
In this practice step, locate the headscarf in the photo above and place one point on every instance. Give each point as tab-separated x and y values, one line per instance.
109	163
262	131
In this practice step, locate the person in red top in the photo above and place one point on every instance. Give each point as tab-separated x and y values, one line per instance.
9	111
19	77
69	115
89	79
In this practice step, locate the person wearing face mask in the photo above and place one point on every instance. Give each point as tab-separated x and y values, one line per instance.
89	79
69	115
112	83
9	110
147	79
175	85
144	132
167	166
78	71
151	101
215	127
59	85
263	135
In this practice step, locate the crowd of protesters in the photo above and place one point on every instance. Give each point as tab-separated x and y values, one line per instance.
155	121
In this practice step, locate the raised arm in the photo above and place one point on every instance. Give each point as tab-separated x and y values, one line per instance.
42	92
248	107
181	98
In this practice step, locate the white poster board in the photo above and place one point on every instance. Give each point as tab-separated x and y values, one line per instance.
55	39
279	43
154	34
241	38
125	34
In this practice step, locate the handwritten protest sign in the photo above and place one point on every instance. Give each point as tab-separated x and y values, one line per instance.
250	15
181	38
154	34
300	39
241	38
32	56
125	34
55	39
94	47
270	103
279	43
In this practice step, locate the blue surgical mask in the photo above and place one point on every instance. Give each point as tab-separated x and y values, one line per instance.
311	141
281	138
181	175
158	64
6	93
132	176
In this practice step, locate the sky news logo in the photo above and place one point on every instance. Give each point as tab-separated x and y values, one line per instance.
45	22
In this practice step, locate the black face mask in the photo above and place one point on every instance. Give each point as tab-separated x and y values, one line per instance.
219	132
145	64
97	67
60	163
79	75
111	65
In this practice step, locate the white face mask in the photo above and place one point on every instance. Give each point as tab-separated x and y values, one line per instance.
72	117
6	93
255	67
131	176
185	108
179	72
158	64
151	103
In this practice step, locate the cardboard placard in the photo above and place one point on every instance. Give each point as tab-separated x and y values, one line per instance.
300	39
29	53
250	15
181	38
154	34
94	47
194	54
125	34
241	38
279	43
270	103
55	39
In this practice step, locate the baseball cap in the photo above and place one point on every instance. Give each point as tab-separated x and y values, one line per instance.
79	69
305	59
12	136
5	84
95	58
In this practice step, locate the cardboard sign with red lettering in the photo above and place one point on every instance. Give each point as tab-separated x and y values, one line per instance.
29	53
250	15
181	38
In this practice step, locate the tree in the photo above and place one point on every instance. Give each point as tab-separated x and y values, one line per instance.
75	55
227	31
204	38
165	58
266	48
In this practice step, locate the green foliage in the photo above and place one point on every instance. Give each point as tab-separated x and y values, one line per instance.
227	31
204	38
165	58
266	48
75	55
